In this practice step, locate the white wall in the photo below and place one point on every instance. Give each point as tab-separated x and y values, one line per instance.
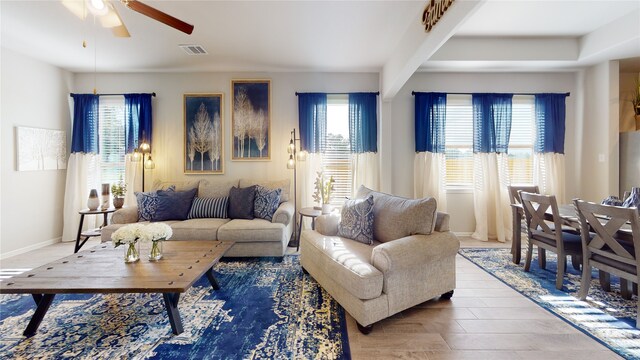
599	157
460	204
33	94
168	121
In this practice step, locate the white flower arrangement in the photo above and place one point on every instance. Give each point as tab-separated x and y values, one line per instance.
159	231
139	232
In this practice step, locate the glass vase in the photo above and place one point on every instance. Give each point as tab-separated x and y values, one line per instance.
131	253
155	253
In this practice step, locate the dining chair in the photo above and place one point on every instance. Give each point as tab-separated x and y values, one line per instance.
519	225
545	234
604	251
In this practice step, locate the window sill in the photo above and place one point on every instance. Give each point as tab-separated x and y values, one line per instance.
459	190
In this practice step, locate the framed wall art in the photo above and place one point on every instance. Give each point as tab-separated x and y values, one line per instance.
251	119
203	133
41	149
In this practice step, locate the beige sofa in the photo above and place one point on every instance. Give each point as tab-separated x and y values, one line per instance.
373	282
257	237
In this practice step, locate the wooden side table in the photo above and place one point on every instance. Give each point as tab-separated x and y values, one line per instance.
308	212
90	233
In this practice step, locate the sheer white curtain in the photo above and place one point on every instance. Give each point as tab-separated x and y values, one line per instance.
490	198
366	169
548	174
83	174
307	172
133	179
429	177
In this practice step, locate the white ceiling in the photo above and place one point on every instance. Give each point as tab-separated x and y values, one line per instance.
316	35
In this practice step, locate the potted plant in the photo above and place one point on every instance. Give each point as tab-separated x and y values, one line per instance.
323	192
118	190
636	99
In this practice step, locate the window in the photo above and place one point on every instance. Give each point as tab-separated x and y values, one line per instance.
459	140
112	147
336	159
521	139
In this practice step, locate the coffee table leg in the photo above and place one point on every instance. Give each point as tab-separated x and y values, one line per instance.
212	279
43	301
171	303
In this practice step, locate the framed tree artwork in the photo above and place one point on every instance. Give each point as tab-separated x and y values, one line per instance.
250	119
203	134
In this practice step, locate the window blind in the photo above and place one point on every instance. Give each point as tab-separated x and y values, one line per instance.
522	138
459	141
336	159
112	146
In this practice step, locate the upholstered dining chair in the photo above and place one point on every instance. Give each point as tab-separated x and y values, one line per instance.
519	224
545	234
604	251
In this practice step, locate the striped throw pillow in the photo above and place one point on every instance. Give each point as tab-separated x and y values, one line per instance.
209	208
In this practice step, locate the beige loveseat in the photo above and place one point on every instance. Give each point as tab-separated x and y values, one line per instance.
257	237
373	282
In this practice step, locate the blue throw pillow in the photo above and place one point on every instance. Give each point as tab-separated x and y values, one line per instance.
266	202
357	220
209	208
173	205
241	202
148	203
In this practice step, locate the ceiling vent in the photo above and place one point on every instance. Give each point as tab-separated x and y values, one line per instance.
193	49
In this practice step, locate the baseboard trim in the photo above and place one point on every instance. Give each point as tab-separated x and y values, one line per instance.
30	248
462	233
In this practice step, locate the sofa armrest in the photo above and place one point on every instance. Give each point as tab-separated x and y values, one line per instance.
327	224
442	222
284	213
126	215
414	250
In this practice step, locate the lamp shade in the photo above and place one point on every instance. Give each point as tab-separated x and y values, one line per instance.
291	164
291	147
136	156
144	147
301	155
149	164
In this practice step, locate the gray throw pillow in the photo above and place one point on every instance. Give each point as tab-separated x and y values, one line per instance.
173	205
241	202
396	217
266	202
356	220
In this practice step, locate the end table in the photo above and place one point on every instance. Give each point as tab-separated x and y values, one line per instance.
308	212
89	233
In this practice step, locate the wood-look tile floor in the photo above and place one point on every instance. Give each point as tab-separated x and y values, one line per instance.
485	319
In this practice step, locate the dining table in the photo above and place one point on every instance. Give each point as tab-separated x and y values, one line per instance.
569	219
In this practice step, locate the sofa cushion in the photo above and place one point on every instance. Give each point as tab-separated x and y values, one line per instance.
177	185
241	202
216	189
347	262
148	203
256	230
209	208
285	185
173	205
266	202
197	229
356	221
395	217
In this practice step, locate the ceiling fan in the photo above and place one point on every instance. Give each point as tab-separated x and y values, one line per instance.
106	12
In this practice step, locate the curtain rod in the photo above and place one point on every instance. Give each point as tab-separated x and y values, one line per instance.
343	93
152	94
465	93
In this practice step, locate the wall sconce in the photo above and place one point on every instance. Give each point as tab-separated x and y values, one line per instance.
295	156
143	155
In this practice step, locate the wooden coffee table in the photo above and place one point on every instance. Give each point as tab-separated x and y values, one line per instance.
102	270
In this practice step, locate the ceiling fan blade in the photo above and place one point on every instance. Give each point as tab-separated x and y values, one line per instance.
158	15
77	8
113	21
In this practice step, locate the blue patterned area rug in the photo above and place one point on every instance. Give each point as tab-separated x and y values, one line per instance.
605	316
266	308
